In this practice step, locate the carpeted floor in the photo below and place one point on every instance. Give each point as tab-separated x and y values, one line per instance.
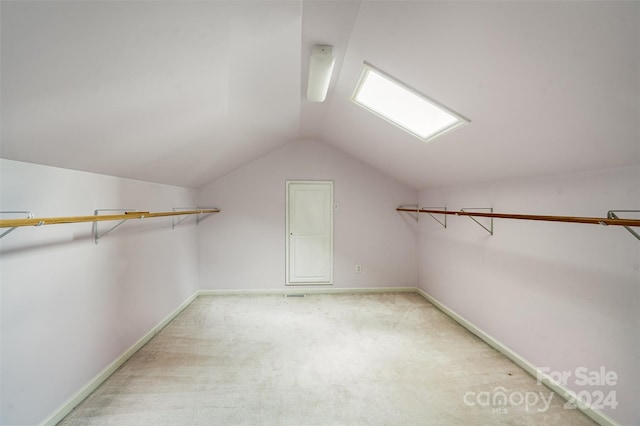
379	359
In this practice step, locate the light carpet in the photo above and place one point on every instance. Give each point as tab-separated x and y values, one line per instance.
375	359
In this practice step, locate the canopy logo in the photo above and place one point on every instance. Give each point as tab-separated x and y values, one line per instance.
500	398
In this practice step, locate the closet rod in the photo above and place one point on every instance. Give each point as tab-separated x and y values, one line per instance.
570	219
37	221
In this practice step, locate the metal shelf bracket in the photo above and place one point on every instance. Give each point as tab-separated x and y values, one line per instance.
490	228
94	229
25	212
443	223
611	214
411	207
176	220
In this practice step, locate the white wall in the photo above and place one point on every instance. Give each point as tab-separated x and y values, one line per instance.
243	247
560	295
69	307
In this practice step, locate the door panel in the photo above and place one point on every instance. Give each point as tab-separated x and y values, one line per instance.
309	232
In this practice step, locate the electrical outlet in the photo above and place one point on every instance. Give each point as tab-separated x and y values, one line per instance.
358	269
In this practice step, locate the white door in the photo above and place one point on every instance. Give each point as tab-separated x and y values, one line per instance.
309	232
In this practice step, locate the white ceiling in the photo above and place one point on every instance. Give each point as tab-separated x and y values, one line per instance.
183	92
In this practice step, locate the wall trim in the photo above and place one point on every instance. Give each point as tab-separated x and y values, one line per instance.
62	411
307	290
561	390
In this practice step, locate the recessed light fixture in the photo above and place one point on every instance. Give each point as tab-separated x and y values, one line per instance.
320	68
403	106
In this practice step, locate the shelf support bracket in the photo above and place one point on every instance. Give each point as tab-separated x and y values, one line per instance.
25	212
176	220
412	207
611	214
94	229
490	228
443	223
203	216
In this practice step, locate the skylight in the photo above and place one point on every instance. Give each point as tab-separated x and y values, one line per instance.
403	106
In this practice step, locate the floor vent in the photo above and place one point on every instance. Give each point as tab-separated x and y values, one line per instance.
295	295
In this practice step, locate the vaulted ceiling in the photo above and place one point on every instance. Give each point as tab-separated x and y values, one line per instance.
182	92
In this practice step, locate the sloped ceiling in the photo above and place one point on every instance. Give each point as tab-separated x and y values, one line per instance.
183	92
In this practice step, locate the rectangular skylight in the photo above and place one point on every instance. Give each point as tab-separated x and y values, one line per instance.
406	108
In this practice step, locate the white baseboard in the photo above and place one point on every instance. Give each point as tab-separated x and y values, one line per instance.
307	290
79	396
565	393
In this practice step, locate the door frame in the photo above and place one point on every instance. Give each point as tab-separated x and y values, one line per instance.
288	182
